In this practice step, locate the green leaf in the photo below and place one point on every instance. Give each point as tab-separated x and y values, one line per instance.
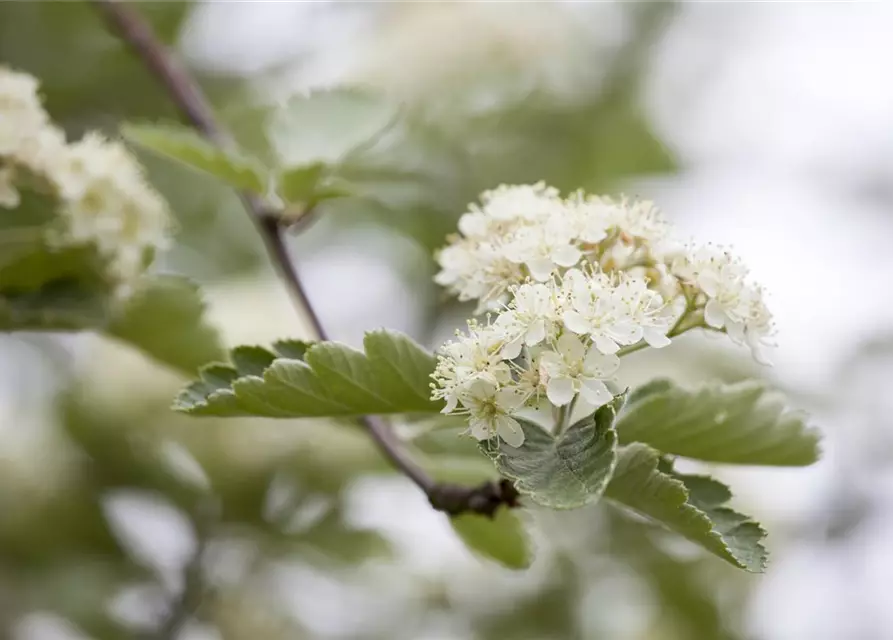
743	423
59	305
294	349
566	472
327	379
658	385
165	319
501	538
692	506
623	128
44	288
298	184
188	147
325	126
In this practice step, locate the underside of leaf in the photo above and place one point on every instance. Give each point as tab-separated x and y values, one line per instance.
566	472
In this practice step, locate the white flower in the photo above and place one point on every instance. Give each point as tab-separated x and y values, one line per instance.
572	369
108	202
513	226
30	146
530	318
597	310
733	304
641	220
522	231
21	114
476	225
591	217
477	271
520	202
758	328
645	309
471	358
101	194
488	409
543	248
458	261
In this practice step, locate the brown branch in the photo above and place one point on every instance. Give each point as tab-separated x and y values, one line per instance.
127	23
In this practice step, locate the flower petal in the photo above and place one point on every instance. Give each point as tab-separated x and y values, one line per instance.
536	332
473	224
714	314
595	391
759	354
560	391
512	349
452	400
758	348
479	429
541	268
735	331
510	431
605	344
656	337
575	322
709	283
566	256
509	399
600	365
570	348
626	332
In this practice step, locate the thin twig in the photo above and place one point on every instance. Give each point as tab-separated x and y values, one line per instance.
138	34
272	232
129	25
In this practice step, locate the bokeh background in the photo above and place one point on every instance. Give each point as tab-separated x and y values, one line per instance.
767	126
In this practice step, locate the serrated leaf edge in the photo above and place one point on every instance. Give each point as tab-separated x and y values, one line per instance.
592	497
184	402
680	490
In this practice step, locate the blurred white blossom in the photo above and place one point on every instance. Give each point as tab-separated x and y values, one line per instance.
102	197
29	143
107	201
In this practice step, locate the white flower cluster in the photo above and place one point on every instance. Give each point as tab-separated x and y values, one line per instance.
29	143
732	302
575	282
102	195
555	340
529	231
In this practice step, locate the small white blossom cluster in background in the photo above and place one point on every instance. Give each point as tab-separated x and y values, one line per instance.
29	143
102	196
574	283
